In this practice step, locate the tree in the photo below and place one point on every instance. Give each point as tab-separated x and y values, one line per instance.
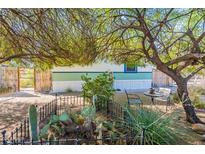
45	37
171	39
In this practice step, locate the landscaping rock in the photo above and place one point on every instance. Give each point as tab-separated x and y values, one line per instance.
203	138
199	128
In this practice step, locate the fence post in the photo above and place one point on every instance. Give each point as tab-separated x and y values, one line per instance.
17	135
56	96
28	131
83	98
56	103
78	132
142	140
4	137
12	137
108	111
21	132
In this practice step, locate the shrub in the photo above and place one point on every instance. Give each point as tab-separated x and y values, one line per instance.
200	91
157	126
27	83
101	86
68	90
175	98
200	106
198	103
5	90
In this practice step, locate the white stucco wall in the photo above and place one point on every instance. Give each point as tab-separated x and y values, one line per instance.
101	67
62	86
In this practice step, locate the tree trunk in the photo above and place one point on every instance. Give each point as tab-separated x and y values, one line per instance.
182	91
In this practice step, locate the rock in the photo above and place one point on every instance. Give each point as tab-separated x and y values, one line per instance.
203	138
199	128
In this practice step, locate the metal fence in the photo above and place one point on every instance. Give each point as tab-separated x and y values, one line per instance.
77	141
57	106
21	134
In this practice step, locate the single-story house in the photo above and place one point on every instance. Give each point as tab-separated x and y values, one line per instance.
131	77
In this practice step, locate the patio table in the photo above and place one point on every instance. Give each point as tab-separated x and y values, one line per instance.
152	96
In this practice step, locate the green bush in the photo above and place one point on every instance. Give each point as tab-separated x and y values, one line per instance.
27	83
201	91
175	98
68	90
101	86
196	91
5	90
200	106
157	126
198	103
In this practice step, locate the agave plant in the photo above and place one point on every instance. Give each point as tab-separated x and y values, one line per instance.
157	126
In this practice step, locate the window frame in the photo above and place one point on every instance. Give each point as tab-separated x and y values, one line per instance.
127	71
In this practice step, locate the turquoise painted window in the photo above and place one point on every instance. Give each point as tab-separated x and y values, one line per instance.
130	68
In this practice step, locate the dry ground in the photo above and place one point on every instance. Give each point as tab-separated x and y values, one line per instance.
14	107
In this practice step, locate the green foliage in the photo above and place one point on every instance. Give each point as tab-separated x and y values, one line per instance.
33	116
89	112
195	95
64	117
175	98
27	83
198	90
54	125
156	125
101	86
4	90
198	103
68	90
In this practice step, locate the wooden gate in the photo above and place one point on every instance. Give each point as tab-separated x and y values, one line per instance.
42	81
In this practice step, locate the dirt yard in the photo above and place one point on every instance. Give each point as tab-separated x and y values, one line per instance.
14	107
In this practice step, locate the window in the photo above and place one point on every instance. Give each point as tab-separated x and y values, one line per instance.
130	68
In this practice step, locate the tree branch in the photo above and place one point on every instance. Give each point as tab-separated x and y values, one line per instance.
194	73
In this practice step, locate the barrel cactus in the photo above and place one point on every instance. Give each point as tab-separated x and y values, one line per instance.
33	120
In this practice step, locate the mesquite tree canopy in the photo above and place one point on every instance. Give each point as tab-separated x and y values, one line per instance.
171	39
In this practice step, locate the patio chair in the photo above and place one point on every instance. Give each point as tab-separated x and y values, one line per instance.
166	92
133	99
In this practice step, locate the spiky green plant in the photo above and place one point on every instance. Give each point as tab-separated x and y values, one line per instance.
157	126
33	120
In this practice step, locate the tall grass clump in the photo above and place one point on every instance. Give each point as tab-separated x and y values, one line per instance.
157	126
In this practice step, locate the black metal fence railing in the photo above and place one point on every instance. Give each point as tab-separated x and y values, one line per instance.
22	131
56	106
21	135
77	141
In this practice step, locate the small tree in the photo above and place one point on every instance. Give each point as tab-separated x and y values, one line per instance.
101	86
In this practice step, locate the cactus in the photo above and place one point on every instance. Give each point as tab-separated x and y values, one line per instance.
33	121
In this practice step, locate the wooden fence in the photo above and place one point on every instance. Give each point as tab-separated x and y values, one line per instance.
9	77
159	79
42	80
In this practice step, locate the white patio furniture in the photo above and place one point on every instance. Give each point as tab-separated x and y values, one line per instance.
166	96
